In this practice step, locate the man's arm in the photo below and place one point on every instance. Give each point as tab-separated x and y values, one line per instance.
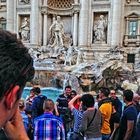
130	126
56	110
71	106
116	125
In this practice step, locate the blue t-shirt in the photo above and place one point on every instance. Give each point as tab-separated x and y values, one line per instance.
129	114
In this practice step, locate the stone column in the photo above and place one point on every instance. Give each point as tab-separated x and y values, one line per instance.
83	23
127	24
138	37
138	26
75	28
34	24
116	11
126	33
45	27
10	15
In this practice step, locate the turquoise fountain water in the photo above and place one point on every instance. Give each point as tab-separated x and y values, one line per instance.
50	92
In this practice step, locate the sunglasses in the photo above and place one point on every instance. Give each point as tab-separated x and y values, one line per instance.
113	93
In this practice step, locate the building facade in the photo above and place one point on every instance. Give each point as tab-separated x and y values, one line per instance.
92	25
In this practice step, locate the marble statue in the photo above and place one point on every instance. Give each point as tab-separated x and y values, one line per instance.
57	30
25	30
52	32
35	53
57	36
100	30
69	56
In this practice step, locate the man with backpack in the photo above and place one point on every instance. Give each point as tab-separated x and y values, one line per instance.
37	105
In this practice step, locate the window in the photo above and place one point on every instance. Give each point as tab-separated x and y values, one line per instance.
132	29
131	58
3	26
3	0
3	23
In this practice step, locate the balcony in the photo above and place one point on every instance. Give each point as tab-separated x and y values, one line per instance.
132	40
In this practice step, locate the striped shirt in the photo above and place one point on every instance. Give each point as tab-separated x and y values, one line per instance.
48	127
62	104
78	115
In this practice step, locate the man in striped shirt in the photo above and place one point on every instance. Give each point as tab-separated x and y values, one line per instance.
48	126
62	106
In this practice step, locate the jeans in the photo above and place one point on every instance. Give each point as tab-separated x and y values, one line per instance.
105	136
95	138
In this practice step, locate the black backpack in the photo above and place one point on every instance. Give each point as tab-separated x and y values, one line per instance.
41	99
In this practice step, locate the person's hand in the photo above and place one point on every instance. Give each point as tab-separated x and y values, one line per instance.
78	96
57	113
55	108
14	128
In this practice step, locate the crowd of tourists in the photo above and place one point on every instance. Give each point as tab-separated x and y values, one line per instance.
79	117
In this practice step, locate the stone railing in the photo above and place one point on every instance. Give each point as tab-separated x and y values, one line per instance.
129	1
133	40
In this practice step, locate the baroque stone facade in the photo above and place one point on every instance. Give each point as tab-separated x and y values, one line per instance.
90	26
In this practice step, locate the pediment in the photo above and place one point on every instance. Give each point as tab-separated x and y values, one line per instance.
133	15
2	19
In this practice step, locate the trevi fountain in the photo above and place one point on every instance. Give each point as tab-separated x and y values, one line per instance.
84	43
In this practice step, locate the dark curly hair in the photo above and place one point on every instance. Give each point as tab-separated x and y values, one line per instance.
128	94
36	90
16	64
88	100
105	91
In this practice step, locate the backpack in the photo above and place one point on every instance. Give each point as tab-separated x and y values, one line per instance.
38	105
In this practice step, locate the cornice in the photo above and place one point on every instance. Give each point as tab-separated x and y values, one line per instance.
24	9
101	4
55	11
